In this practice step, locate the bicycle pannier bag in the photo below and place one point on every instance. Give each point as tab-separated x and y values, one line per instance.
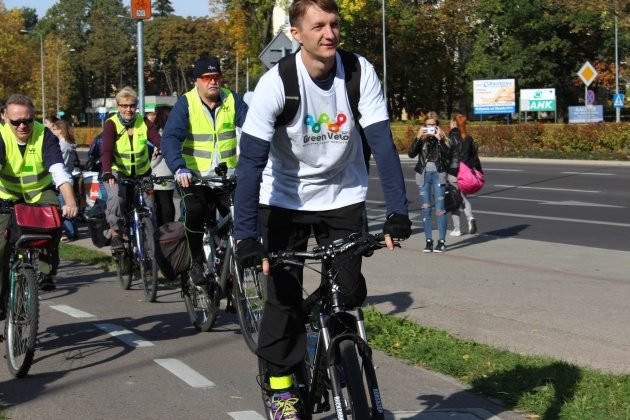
469	180
98	226
34	219
171	252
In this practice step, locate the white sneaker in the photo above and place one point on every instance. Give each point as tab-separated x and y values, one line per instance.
456	232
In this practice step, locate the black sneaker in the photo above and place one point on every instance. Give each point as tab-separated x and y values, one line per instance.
117	243
46	283
197	274
429	247
441	247
472	226
284	405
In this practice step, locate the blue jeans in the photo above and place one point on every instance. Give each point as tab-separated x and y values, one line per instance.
69	224
432	185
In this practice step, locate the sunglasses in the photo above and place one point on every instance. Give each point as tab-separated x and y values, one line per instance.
127	106
210	77
17	123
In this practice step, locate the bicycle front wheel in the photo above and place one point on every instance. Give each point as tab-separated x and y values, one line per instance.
148	267
249	289
199	306
20	328
352	376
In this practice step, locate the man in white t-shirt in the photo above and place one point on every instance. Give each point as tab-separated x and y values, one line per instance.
310	175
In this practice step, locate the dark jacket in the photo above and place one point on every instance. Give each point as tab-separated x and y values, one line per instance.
466	151
426	146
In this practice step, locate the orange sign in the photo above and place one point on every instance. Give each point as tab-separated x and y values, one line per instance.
141	9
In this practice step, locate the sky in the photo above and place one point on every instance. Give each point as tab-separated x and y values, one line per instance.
194	8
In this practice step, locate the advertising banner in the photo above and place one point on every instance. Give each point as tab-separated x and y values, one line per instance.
586	114
494	96
534	100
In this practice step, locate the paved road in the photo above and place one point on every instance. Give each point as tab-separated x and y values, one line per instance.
556	294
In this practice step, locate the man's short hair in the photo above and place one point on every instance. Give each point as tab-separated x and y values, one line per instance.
20	99
299	7
126	92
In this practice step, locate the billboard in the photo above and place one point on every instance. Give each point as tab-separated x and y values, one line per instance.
586	114
494	96
534	100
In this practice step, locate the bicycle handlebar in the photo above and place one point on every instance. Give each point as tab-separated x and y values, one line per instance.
354	245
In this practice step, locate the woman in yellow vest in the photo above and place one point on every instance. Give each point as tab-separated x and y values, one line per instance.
125	152
31	166
201	133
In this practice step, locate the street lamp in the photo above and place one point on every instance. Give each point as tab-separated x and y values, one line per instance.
617	109
140	43
58	56
384	56
41	53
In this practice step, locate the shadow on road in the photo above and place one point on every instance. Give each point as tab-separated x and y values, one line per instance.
508	232
400	300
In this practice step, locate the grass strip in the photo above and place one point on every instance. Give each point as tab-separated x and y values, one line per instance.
544	387
88	256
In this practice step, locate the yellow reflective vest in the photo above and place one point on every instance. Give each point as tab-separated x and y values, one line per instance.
24	177
131	156
204	139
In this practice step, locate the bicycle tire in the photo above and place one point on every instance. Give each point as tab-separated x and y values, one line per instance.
124	269
22	322
357	398
148	267
249	299
199	306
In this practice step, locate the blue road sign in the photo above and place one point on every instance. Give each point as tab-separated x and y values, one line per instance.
102	116
618	100
590	97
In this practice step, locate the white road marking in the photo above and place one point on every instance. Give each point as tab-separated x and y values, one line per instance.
128	337
519	187
553	203
246	415
561	219
73	312
587	173
503	170
185	373
443	414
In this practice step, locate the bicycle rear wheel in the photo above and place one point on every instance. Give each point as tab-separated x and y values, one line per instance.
148	267
124	269
356	398
249	290
20	328
199	306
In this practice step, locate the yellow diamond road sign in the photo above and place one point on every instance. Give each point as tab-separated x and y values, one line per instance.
587	73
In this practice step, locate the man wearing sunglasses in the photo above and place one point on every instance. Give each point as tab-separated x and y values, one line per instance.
199	135
31	166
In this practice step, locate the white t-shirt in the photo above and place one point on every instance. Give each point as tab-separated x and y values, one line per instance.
316	162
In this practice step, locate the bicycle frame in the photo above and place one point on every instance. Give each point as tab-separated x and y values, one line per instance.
139	209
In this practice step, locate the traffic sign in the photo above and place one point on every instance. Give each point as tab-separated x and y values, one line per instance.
141	9
275	50
618	100
590	97
587	73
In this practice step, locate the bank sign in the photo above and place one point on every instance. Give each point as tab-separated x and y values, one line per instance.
535	100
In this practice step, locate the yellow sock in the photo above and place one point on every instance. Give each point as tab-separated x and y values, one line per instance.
280	382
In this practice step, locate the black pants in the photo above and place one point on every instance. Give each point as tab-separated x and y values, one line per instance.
200	207
282	338
165	207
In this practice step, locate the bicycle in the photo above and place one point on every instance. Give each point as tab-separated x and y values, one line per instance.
243	288
31	229
139	250
341	361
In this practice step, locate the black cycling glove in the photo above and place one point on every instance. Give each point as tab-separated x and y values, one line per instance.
250	253
397	226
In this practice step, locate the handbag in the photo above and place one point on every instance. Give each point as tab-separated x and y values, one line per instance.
469	180
452	198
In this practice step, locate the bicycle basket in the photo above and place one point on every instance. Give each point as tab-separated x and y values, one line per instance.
171	252
34	219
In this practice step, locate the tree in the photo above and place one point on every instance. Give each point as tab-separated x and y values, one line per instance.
162	8
30	17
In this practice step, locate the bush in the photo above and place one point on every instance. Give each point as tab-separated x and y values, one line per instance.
590	141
